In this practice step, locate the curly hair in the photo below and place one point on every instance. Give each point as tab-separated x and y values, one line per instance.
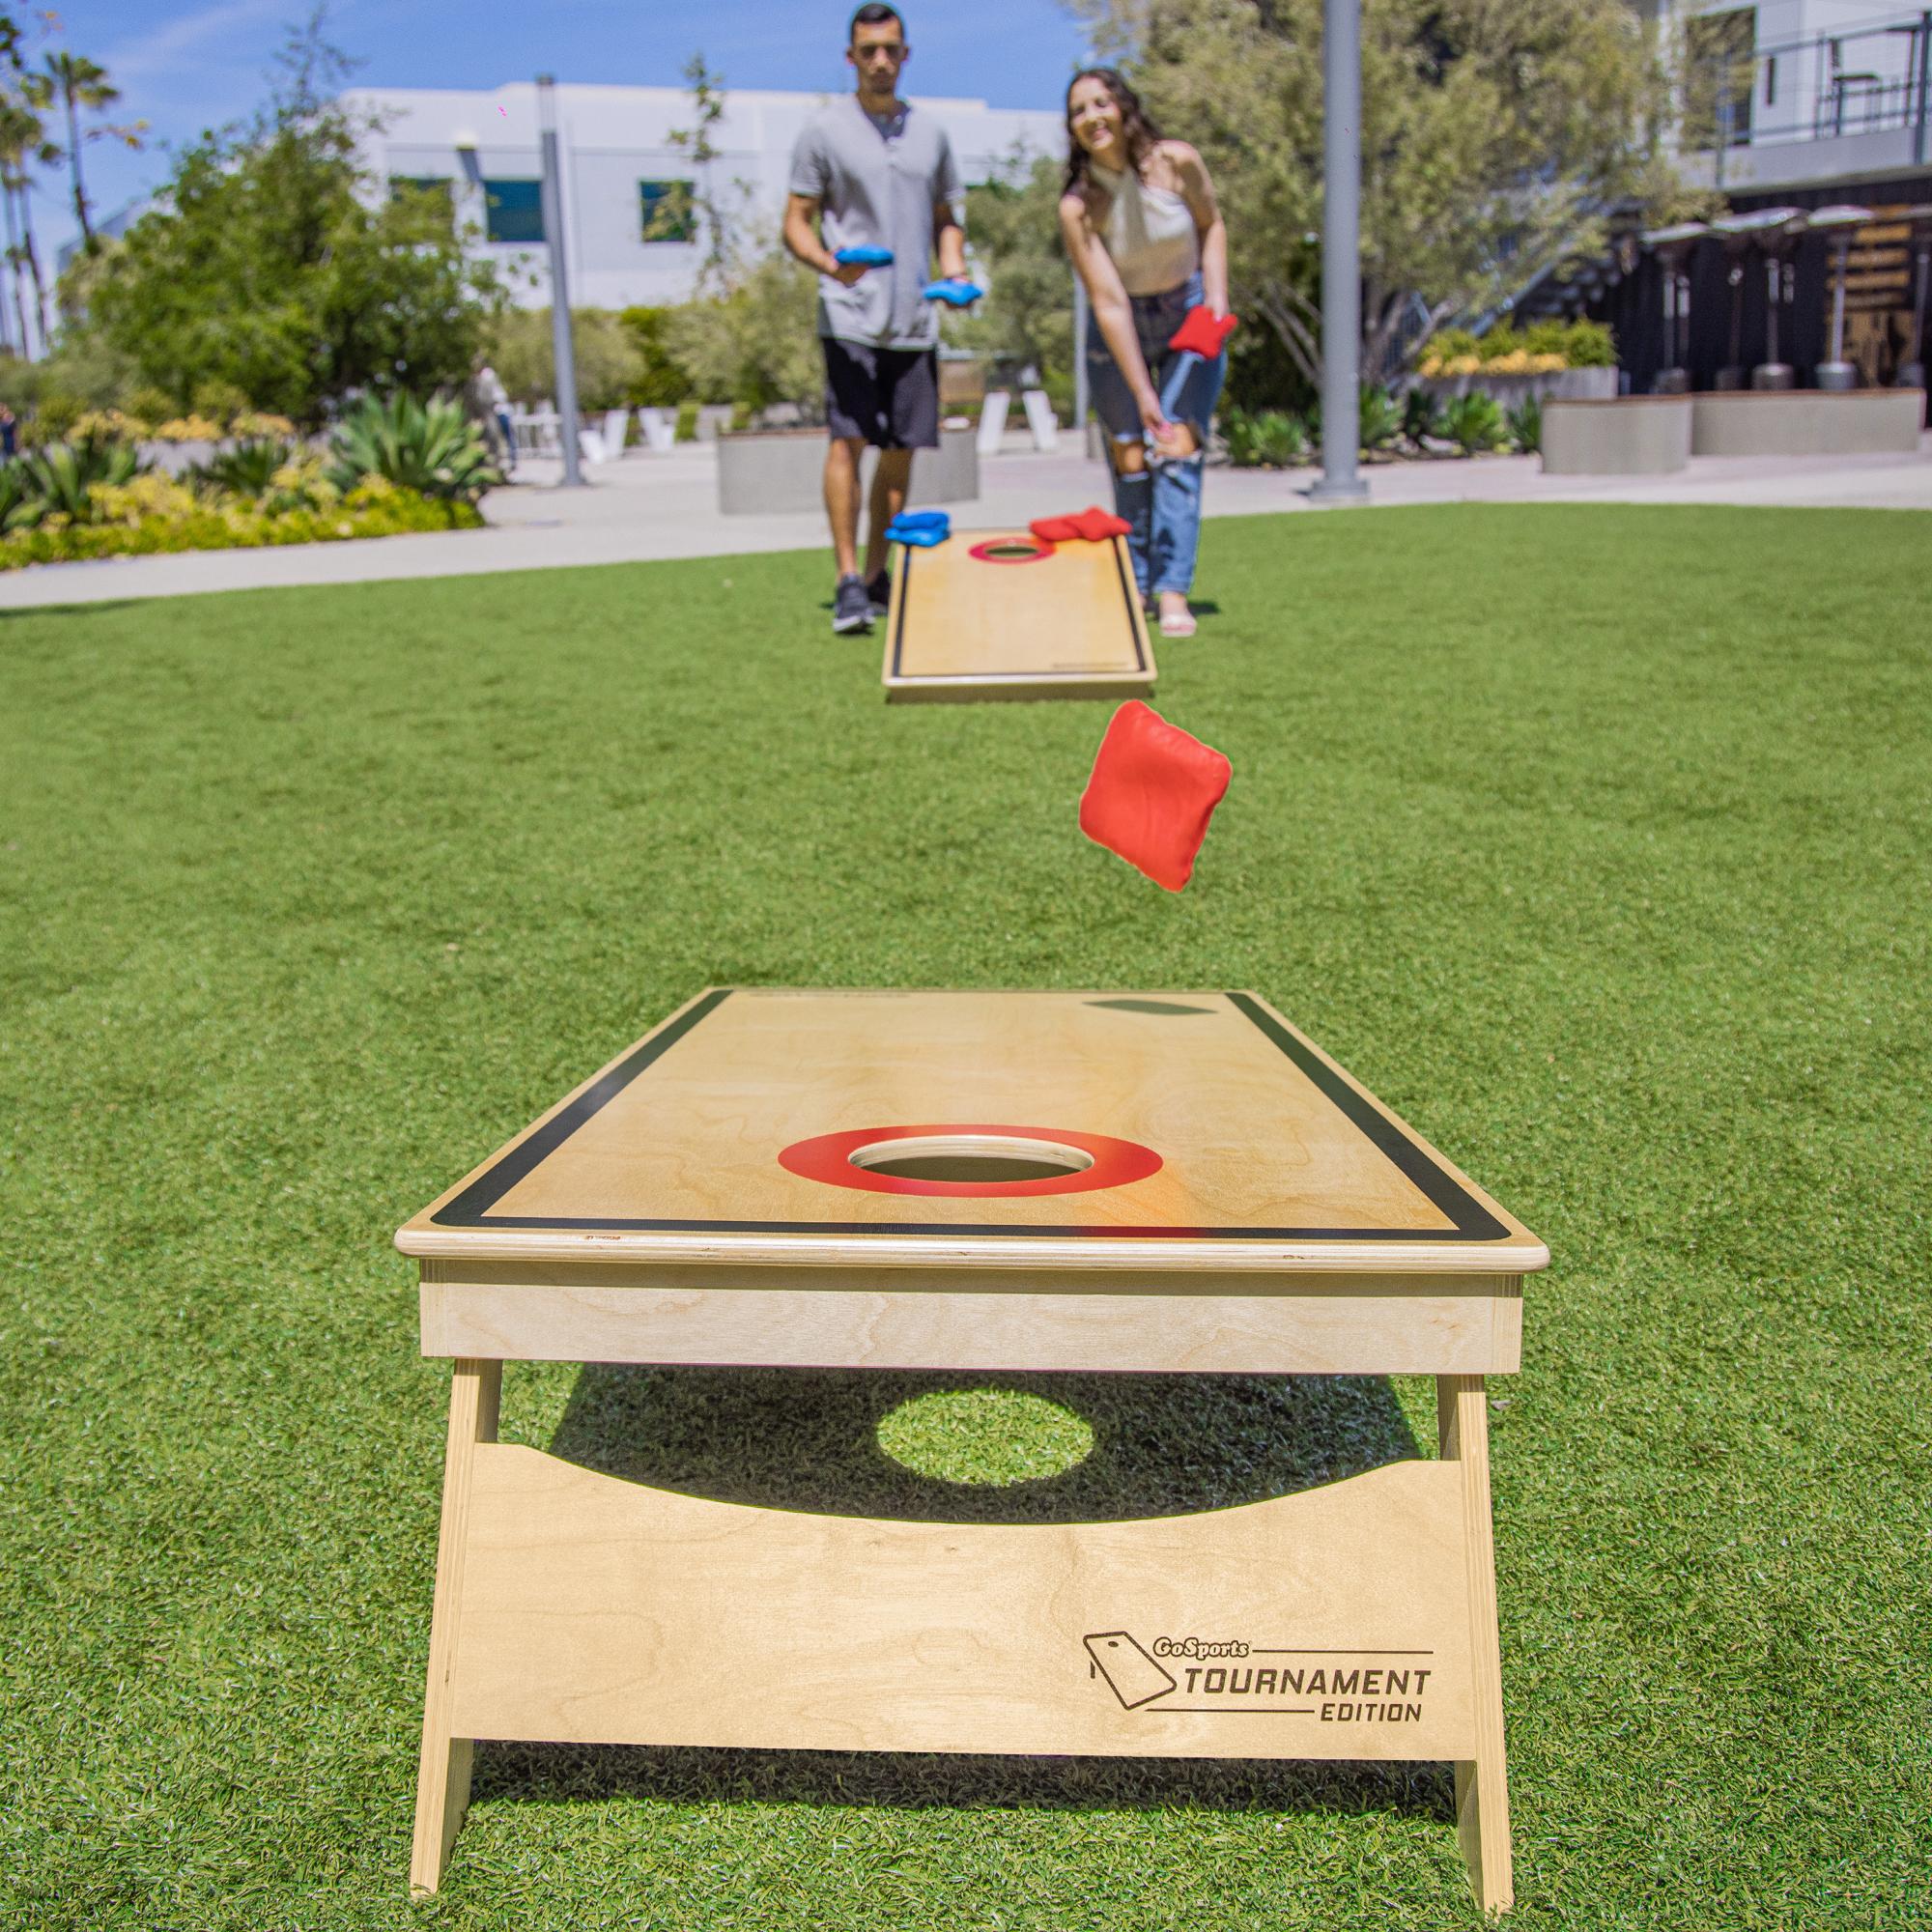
1136	129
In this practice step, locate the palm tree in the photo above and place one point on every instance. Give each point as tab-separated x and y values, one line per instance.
23	139
78	83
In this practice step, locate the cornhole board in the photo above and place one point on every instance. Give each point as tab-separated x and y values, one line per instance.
971	1181
1000	615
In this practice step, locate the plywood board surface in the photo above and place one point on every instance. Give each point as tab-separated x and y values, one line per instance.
1068	622
1333	1623
1214	1135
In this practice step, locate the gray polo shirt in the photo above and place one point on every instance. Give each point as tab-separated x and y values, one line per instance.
876	184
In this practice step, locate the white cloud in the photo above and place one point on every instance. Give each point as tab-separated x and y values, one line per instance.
169	48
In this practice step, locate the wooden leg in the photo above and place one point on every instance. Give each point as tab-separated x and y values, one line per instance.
442	1783
1482	1787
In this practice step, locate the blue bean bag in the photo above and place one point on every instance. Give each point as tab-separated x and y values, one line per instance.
867	256
960	294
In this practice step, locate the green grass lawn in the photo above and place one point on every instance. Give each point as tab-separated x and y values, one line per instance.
1594	840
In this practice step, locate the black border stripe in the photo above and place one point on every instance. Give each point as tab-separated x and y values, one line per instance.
1472	1221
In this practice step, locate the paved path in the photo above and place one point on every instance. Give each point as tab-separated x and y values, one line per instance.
646	507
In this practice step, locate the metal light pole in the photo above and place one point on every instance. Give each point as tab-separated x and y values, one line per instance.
1341	252
560	288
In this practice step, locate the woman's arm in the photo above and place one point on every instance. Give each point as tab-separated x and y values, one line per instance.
1197	189
1112	310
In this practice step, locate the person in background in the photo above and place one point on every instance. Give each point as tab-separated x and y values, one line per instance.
494	400
871	172
10	434
1143	230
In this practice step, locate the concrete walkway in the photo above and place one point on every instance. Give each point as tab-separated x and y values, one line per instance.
645	507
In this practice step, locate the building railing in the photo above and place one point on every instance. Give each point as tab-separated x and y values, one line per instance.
1864	81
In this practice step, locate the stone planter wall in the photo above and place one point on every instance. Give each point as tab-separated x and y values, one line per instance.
1625	436
1806	422
767	472
1569	385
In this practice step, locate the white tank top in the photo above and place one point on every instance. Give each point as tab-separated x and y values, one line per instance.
1150	232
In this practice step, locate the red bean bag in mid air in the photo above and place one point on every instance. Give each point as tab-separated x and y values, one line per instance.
1152	792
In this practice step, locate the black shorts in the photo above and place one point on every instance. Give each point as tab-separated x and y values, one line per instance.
889	397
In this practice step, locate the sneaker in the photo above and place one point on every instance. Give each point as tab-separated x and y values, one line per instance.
879	593
851	606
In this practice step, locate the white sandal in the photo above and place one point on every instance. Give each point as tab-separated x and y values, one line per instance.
1178	627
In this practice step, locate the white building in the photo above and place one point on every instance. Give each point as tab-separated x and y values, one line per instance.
626	181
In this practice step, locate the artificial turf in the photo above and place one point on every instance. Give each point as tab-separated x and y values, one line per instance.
1594	840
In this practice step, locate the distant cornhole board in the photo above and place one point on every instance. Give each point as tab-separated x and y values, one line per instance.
999	614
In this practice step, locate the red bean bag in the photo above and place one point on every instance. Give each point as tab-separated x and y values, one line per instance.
1203	332
1094	524
1152	792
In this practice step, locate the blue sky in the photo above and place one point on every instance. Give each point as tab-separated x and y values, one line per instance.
185	65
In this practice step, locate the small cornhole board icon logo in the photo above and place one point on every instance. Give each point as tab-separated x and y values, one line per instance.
1132	1673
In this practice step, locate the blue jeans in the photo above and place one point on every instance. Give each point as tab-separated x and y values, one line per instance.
1160	504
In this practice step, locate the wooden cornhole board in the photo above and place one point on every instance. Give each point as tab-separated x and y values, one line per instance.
973	1181
998	614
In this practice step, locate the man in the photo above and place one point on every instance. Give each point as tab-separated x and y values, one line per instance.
871	172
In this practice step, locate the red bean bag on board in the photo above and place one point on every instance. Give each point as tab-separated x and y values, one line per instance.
1093	525
1152	792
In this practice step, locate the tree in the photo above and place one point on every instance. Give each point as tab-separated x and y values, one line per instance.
521	351
77	82
272	265
757	342
1014	224
713	210
1499	137
23	141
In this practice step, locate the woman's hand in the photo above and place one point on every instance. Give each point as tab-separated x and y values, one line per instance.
1153	418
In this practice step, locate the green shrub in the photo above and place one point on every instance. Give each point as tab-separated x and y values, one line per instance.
1449	343
433	448
1475	422
1422	419
1378	419
687	423
1524	426
151	405
1264	438
245	469
381	512
218	401
59	479
18	505
660	381
1589	345
55	413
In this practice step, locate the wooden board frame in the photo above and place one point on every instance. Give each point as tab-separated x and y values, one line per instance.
573	1605
1007	673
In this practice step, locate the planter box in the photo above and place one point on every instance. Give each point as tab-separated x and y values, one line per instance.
1806	422
766	472
1625	436
1569	386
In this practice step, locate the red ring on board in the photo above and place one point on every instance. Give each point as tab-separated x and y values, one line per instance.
987	551
828	1158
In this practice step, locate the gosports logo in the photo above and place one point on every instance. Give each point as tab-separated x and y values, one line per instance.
1220	1676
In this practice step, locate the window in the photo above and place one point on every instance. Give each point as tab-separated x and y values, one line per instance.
440	186
668	210
513	211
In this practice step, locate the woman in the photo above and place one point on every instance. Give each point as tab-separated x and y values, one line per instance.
1143	231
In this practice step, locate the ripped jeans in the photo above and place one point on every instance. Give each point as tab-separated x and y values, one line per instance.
1160	504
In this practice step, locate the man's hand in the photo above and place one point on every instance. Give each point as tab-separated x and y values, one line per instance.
848	273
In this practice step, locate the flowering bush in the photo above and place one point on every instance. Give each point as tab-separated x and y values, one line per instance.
188	429
1541	349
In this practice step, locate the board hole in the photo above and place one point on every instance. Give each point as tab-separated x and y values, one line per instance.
981	1159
